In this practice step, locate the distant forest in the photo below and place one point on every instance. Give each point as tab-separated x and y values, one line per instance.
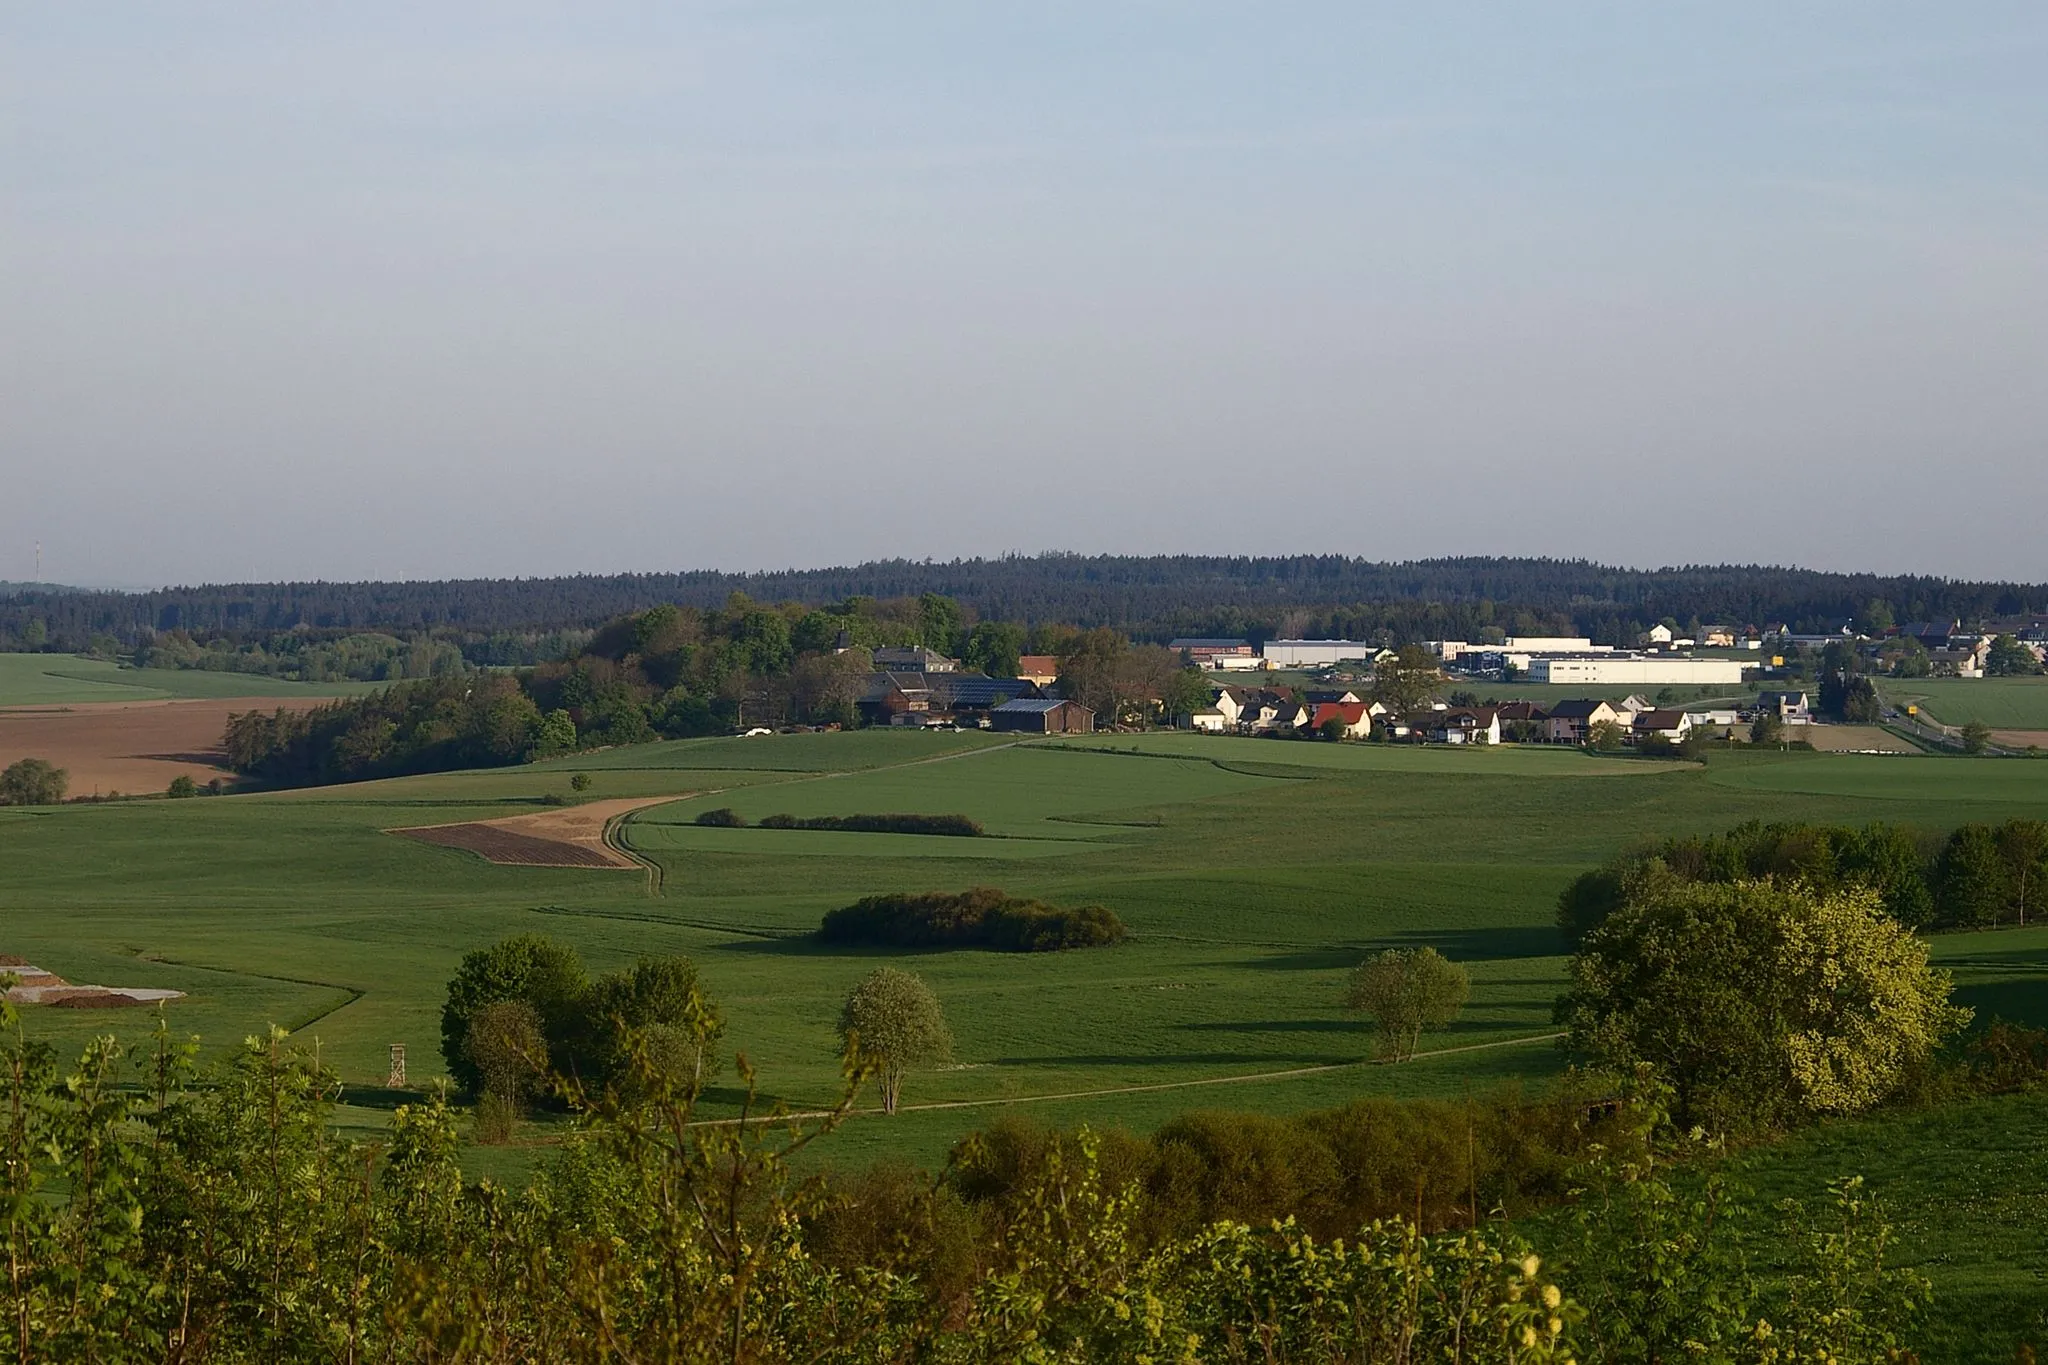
1150	598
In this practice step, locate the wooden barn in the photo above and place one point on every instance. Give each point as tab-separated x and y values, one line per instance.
1043	717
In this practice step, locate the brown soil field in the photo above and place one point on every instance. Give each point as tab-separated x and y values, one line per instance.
1851	739
570	837
2021	739
128	746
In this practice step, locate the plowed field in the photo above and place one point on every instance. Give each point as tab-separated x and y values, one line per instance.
571	837
129	746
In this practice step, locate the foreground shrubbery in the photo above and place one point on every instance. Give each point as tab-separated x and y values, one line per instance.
982	917
219	1218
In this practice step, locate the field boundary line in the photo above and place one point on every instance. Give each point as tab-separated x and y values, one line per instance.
999	1101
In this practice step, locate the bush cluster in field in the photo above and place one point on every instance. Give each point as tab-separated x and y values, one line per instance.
958	826
981	917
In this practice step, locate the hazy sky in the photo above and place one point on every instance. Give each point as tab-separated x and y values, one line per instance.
402	290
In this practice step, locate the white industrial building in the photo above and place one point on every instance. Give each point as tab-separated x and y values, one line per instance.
1635	670
1316	653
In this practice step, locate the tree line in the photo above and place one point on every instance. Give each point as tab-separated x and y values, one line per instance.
1151	598
1979	876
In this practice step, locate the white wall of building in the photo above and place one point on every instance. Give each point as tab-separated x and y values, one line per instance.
1314	653
1627	671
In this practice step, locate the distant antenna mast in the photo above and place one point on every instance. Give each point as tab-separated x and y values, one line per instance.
39	561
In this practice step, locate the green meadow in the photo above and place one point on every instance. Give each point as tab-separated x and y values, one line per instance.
64	679
1253	874
2001	703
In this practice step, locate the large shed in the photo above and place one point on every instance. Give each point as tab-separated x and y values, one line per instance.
1045	717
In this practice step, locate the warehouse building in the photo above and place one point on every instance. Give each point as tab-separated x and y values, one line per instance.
1316	653
1636	670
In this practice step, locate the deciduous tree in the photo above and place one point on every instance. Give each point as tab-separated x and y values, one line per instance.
893	1020
1406	991
33	782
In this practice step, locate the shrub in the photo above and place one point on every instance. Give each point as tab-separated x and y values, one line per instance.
546	975
579	782
958	826
33	782
982	917
723	818
1759	1003
182	788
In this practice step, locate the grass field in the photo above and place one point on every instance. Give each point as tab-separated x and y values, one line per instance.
2001	703
1253	875
60	679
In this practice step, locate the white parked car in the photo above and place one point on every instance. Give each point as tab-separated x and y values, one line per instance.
757	730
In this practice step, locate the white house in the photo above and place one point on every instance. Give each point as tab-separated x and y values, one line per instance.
1209	719
1657	635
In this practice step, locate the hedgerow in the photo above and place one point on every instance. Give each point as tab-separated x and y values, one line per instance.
982	917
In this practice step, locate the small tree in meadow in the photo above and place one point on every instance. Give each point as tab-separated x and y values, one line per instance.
182	786
1406	991
895	1021
509	1051
579	782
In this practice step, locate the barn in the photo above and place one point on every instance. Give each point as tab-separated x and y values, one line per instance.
1043	717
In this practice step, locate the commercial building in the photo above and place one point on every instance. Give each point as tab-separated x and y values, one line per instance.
1635	670
1316	653
1207	653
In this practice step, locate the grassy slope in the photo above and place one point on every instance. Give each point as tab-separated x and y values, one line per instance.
2001	703
59	679
1251	886
1966	1187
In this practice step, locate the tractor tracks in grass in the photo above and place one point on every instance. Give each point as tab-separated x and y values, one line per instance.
352	992
995	1102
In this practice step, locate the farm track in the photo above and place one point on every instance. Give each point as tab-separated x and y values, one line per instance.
1291	1073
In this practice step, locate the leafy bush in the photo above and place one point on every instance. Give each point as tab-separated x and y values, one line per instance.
725	817
1759	1003
982	917
33	782
958	826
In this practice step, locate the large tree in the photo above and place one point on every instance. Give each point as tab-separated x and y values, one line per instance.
1759	1002
33	782
1406	991
529	967
2008	658
1409	681
893	1020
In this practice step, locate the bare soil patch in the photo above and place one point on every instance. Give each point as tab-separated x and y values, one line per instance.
34	986
1852	739
2020	739
129	746
572	836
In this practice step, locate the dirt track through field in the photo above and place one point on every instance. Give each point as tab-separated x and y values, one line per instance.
573	836
1289	1074
130	746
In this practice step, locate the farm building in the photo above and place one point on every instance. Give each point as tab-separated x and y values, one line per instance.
1207	653
1043	717
912	659
1043	669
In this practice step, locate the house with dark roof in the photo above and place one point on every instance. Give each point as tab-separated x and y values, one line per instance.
912	659
1790	708
1665	723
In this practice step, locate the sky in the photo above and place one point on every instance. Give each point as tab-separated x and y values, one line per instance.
401	291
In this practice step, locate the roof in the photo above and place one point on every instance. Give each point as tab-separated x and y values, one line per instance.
1350	712
1665	718
1778	698
1037	706
1577	709
1520	710
974	689
1039	663
1205	643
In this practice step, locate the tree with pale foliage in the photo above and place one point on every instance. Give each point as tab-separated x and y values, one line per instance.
1759	1003
1408	682
1406	991
33	782
893	1020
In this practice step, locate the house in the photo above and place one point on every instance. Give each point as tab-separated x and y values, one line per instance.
1523	712
1320	697
1355	716
1718	637
1231	702
1790	708
1209	720
897	699
1043	716
1657	635
1270	712
1571	722
1465	725
1633	703
1931	634
1669	725
1726	717
912	659
1208	653
1040	669
971	696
